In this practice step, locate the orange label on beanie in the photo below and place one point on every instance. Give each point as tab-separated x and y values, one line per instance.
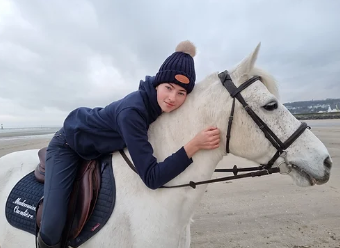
183	79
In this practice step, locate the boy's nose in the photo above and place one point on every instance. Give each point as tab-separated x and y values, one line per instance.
172	97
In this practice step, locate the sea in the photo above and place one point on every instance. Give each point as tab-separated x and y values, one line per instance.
47	132
27	133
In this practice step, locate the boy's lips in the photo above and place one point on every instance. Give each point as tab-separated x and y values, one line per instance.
169	104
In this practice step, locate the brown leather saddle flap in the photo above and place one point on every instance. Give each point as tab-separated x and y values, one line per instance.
83	197
88	183
39	171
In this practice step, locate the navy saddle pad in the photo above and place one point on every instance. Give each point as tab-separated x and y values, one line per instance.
24	197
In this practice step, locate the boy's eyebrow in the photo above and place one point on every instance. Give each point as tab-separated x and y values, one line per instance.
174	87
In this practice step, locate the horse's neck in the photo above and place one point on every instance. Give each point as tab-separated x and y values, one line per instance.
196	115
201	169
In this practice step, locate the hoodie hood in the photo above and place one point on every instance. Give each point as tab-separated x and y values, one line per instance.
149	94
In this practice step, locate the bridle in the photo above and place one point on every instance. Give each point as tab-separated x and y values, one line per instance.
263	169
235	93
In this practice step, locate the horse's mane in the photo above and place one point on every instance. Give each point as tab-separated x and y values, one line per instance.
267	79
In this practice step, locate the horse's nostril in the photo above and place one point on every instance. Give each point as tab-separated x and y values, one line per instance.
328	163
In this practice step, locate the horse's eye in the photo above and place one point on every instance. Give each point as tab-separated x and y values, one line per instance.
271	106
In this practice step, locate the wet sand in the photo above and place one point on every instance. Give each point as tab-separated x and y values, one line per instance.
268	211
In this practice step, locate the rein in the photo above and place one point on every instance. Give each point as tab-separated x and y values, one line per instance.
235	170
263	169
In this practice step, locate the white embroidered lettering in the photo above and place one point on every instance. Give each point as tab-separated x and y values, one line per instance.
23	213
23	203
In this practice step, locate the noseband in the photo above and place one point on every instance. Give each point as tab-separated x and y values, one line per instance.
263	169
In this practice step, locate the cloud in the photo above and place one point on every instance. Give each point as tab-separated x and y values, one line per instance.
56	56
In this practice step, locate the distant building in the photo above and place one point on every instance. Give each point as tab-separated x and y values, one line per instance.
332	110
314	106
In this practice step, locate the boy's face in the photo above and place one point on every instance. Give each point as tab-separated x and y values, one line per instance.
170	96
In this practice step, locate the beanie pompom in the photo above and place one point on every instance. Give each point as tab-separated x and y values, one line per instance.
186	47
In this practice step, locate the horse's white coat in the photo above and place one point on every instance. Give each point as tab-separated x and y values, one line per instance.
161	218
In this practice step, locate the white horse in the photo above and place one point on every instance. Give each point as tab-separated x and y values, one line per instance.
161	218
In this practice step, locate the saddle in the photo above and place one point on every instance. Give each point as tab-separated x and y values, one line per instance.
83	197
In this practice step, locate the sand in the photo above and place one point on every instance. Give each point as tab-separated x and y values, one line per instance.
12	140
272	211
9	146
269	211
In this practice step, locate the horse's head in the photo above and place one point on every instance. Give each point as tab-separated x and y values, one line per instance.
307	160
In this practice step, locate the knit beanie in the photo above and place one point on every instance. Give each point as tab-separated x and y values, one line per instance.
179	67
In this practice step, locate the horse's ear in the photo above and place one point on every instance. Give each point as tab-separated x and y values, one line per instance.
252	58
247	64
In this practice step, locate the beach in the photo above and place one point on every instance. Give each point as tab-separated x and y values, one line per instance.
268	211
19	139
271	211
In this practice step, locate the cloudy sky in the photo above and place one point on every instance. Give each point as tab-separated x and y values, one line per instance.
59	55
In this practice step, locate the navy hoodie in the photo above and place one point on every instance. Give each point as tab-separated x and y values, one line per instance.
124	123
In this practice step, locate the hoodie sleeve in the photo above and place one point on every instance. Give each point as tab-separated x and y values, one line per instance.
133	129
